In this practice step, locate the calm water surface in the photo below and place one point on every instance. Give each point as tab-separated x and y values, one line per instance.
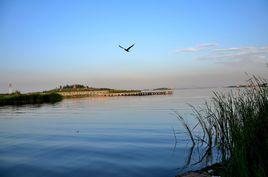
98	137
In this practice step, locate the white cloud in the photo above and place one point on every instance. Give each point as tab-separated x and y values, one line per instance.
226	50
198	47
238	55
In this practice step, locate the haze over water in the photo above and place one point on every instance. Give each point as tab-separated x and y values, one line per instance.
100	137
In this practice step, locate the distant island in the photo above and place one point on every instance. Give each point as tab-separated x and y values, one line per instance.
73	91
248	85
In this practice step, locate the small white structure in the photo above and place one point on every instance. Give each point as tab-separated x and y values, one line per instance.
10	88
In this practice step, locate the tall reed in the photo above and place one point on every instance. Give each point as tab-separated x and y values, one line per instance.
236	124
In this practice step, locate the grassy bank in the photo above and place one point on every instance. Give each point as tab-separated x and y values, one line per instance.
123	91
236	124
81	88
33	98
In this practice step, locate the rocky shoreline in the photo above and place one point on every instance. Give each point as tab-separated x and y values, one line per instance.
209	171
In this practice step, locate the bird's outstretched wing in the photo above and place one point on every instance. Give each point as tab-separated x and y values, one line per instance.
130	47
121	47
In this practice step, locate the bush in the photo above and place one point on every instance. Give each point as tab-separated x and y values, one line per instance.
34	98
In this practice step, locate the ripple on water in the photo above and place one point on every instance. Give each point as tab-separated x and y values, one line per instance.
124	136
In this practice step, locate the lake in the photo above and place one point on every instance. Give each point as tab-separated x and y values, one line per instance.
98	137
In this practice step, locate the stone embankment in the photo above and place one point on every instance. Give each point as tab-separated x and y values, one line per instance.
109	94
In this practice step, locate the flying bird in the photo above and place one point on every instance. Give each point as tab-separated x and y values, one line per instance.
127	49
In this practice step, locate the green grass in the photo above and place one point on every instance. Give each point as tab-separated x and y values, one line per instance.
123	91
77	89
94	89
236	124
33	98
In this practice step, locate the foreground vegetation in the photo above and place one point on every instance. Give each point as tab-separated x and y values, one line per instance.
236	124
31	98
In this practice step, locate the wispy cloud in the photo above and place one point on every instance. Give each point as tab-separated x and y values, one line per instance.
238	55
198	47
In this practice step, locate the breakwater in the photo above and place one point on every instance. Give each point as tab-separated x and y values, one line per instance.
109	94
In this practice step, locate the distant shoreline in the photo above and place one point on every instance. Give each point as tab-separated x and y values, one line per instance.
78	91
54	96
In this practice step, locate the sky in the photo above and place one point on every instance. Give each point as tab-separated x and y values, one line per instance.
178	43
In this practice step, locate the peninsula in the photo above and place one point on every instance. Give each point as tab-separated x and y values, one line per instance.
73	91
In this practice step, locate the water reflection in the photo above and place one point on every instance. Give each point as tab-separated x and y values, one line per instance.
120	136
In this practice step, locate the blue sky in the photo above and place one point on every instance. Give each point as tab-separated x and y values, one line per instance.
179	43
